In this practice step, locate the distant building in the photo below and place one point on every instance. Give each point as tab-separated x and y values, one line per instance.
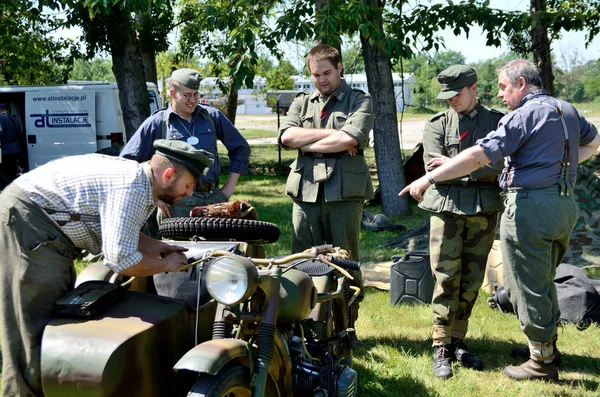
253	101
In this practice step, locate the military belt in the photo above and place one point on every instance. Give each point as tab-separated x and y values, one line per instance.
205	186
337	155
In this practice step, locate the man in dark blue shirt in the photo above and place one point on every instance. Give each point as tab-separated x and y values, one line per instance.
200	125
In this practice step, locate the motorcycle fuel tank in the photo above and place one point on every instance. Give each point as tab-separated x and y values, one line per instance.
297	296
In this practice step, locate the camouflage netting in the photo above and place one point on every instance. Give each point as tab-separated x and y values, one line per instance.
584	247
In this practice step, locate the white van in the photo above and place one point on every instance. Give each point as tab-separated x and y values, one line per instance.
66	120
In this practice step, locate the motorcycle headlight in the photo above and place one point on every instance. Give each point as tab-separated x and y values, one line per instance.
231	279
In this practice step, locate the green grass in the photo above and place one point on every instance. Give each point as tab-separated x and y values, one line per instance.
395	356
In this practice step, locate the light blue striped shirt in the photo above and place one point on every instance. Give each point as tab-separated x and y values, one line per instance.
117	190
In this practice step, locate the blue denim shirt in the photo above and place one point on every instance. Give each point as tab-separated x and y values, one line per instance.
140	148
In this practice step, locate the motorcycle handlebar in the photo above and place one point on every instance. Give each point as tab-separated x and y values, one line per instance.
346	263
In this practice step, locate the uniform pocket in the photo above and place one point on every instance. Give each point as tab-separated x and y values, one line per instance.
354	180
308	122
339	120
292	186
452	146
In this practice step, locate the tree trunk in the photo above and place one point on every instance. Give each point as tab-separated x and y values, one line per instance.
540	46
127	63
388	156
232	100
144	23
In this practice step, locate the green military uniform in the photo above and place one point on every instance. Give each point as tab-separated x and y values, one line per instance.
328	190
464	225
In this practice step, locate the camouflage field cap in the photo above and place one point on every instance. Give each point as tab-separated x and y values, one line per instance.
195	160
190	78
453	79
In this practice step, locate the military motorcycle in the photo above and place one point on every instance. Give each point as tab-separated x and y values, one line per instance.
255	326
281	327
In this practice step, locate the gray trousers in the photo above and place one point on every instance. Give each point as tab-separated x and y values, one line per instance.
534	231
36	270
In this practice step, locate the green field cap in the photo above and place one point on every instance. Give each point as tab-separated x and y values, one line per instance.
195	160
454	78
190	78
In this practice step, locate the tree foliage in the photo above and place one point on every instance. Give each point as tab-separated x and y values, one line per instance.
278	78
227	31
98	69
29	54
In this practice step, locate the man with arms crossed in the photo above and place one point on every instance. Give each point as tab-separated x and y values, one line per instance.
329	180
541	141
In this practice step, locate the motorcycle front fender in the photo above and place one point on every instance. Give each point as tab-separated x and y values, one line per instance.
211	356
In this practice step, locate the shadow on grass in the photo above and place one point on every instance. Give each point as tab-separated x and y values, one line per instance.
375	384
496	354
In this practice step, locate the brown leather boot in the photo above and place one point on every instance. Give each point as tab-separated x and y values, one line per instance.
532	369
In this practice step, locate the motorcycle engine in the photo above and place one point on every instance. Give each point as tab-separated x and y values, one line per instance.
324	381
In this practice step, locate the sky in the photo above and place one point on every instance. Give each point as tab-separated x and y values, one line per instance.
475	50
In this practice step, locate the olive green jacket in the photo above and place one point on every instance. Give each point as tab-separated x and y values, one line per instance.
448	133
343	177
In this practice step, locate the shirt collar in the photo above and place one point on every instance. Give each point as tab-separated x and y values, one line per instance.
472	114
530	96
149	175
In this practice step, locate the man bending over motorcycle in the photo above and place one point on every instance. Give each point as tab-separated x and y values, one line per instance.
92	202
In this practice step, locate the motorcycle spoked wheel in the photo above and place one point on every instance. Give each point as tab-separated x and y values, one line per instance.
231	381
248	230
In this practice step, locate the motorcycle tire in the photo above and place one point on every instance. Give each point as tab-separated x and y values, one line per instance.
231	381
215	229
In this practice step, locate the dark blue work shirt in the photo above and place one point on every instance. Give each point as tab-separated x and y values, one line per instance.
531	140
10	134
140	147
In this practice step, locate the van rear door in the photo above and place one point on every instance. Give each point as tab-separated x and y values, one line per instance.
59	123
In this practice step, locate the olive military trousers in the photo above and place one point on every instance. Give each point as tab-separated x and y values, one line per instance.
336	223
36	270
534	231
459	246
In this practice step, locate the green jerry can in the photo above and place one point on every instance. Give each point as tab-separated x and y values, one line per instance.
411	281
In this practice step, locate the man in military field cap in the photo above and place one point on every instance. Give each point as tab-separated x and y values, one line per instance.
92	202
463	220
200	125
454	79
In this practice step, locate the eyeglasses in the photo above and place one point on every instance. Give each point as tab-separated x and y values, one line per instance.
188	96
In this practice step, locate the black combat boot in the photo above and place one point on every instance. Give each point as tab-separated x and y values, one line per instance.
442	361
464	355
533	369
